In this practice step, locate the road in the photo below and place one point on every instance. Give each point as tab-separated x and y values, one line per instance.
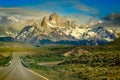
16	71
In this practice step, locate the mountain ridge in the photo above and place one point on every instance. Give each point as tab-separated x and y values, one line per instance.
53	30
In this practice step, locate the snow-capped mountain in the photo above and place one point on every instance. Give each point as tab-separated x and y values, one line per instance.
28	33
56	30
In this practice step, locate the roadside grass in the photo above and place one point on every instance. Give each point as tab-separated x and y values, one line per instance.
4	61
79	72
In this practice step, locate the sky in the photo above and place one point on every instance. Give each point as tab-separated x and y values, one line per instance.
98	8
25	12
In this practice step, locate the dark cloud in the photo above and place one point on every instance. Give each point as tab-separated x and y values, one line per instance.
112	17
112	21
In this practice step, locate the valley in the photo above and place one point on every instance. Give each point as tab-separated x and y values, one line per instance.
102	62
82	62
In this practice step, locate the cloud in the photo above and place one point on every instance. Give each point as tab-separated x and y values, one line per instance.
83	7
112	17
83	19
12	11
112	21
65	6
17	18
49	7
9	9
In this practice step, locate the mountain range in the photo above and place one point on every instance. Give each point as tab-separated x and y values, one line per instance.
55	30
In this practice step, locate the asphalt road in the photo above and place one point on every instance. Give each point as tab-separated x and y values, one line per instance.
16	71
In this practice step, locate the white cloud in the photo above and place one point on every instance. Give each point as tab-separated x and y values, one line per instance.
83	7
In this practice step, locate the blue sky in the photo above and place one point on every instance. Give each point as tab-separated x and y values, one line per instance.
88	7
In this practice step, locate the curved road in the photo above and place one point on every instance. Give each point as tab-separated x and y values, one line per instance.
16	71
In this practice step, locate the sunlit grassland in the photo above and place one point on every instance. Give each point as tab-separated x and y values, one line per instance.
94	66
101	63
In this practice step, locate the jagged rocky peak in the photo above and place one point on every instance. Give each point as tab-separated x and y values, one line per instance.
34	24
55	19
44	21
45	25
50	22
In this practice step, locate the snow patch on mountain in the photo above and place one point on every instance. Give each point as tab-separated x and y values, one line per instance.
51	25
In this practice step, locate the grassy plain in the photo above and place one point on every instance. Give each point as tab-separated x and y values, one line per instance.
101	63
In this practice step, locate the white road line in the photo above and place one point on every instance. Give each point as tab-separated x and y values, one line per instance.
37	74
